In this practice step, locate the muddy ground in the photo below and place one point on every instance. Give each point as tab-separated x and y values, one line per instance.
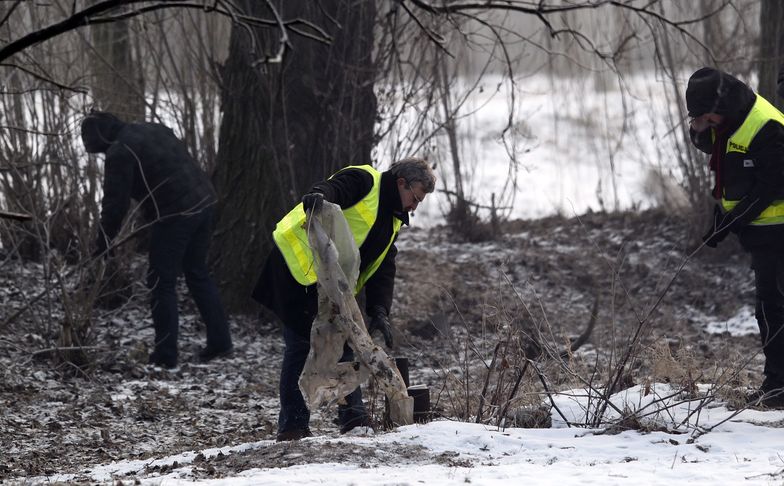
534	289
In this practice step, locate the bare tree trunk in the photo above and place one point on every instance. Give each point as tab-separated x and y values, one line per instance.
771	44
460	216
711	31
286	126
117	82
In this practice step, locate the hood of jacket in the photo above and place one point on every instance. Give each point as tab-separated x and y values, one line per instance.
99	131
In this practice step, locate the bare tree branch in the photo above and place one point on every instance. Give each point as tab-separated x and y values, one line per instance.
93	14
10	11
541	10
40	77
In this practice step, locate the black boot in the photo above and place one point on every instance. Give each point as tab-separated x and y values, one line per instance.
157	360
208	354
770	394
295	434
361	421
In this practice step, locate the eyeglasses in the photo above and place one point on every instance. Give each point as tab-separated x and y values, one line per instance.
413	193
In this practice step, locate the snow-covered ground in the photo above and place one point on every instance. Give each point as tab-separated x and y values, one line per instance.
165	428
743	323
675	446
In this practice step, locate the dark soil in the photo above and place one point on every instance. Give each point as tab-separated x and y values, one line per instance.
539	282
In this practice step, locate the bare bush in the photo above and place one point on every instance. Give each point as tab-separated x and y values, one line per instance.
43	169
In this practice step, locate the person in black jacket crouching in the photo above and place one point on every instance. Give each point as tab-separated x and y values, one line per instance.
148	163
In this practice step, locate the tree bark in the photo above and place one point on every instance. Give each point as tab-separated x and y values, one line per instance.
285	126
771	47
117	81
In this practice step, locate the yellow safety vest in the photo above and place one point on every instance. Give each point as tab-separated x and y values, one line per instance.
761	113
292	240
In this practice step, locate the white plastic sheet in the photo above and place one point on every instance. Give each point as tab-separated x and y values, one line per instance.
339	319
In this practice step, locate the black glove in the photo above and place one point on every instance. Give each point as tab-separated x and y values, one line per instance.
719	230
379	321
312	201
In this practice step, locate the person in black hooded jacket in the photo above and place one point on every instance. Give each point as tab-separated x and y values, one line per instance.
393	194
148	163
744	135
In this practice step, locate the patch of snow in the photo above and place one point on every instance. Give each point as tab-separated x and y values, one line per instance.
732	447
743	323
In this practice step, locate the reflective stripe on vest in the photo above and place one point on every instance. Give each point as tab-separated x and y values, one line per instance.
292	240
761	113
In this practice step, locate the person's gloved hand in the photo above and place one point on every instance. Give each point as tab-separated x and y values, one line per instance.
718	230
312	201
379	321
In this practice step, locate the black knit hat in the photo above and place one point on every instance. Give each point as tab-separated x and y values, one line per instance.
706	91
99	130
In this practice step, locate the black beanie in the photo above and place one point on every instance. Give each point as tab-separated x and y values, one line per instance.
99	130
705	92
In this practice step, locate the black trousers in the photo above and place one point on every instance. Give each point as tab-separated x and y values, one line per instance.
294	413
179	245
769	280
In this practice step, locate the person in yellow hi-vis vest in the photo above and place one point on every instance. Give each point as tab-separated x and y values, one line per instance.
375	204
744	135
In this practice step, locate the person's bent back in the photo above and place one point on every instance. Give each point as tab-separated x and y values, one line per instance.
148	163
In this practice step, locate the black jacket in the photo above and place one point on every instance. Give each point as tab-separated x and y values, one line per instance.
148	163
755	186
296	305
